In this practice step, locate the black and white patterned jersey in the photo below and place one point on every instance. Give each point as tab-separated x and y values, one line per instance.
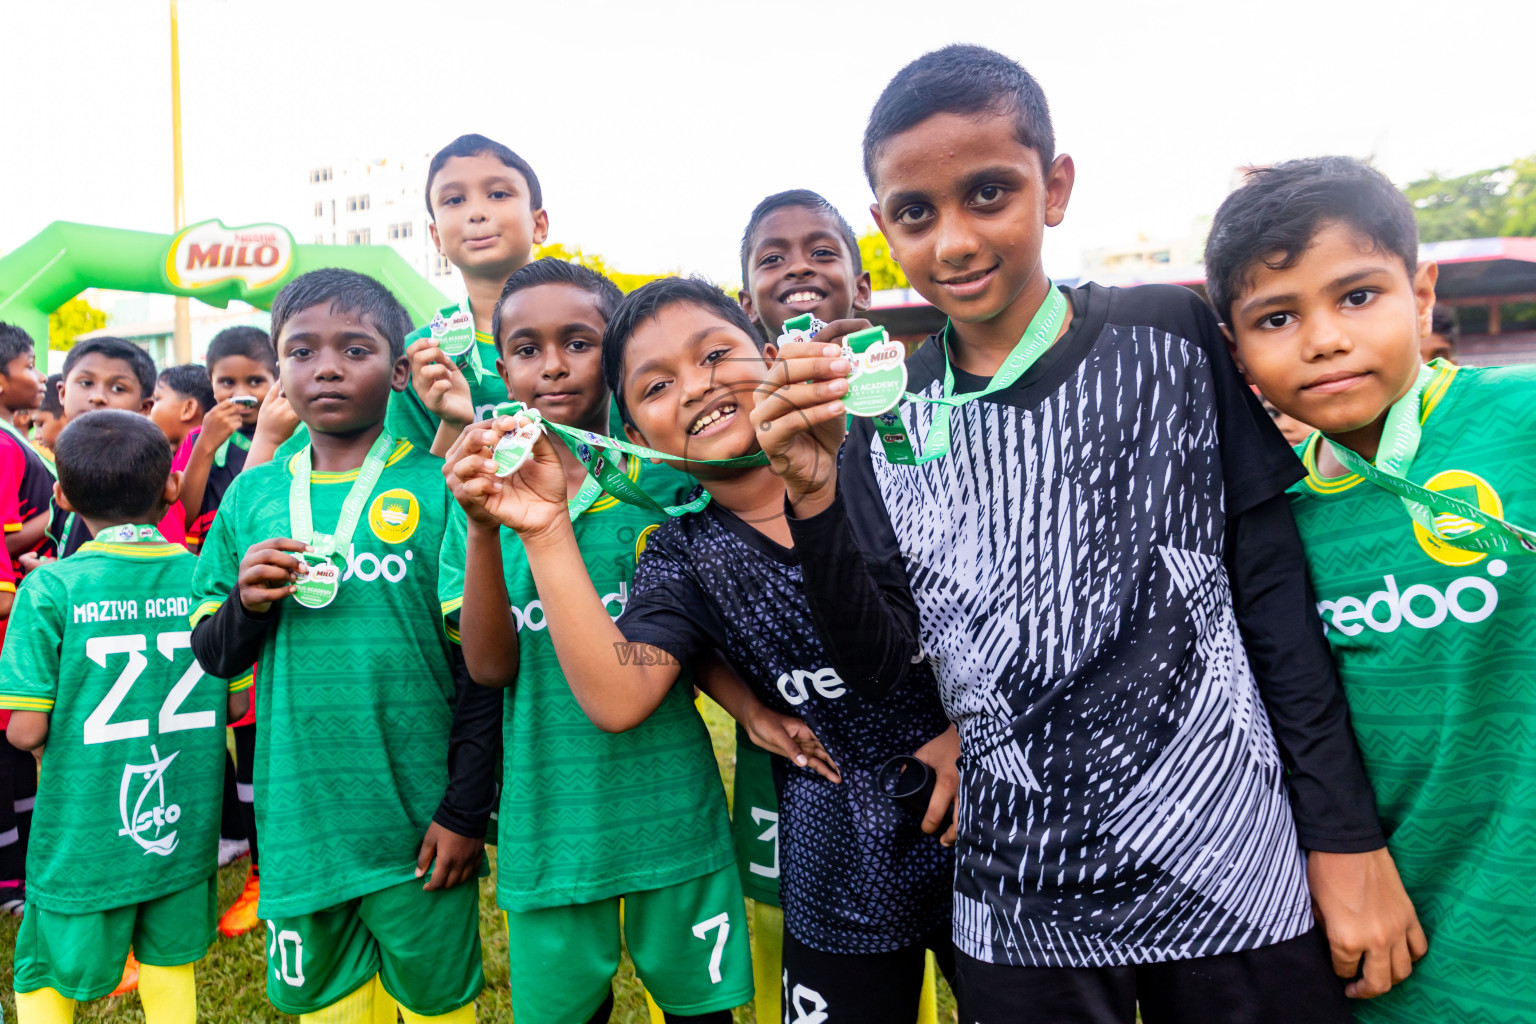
1123	799
858	873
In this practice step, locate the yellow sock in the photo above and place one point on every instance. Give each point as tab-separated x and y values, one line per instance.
463	1015
358	1007
767	959
657	1017
928	1001
383	1005
44	1006
169	994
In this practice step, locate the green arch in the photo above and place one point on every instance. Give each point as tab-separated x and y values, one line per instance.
64	259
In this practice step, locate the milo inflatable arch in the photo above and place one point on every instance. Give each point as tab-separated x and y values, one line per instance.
208	261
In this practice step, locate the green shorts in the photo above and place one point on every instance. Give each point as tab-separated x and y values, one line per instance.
81	955
755	821
688	942
425	946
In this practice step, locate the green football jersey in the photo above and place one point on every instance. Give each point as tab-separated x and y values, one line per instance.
585	814
356	698
132	779
1434	649
408	415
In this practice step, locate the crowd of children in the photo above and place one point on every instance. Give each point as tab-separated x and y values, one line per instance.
1216	729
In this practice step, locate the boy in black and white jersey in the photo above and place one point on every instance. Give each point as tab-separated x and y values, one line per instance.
1111	591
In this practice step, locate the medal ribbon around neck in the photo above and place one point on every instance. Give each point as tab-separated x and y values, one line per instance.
237	439
327	544
607	474
131	533
1400	438
1038	337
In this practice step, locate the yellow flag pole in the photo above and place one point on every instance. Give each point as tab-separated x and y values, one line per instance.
182	337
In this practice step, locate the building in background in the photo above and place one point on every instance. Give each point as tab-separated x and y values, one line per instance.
374	202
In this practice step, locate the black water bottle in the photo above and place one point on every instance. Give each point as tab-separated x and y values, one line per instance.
910	783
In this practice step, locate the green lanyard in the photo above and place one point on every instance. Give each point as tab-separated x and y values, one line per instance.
1400	437
237	439
467	358
131	533
327	544
609	474
10	428
1038	336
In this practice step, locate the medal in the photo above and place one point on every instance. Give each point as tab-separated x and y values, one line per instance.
879	375
516	448
319	578
317	583
801	328
454	333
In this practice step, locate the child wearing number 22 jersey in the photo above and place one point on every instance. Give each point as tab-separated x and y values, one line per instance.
98	666
357	701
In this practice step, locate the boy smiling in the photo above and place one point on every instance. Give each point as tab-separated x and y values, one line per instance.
1110	588
1313	264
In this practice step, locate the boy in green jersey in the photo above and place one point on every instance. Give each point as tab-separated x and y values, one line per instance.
1313	266
324	566
487	214
589	817
98	666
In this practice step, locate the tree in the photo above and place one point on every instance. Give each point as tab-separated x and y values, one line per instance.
69	321
884	272
593	261
1499	202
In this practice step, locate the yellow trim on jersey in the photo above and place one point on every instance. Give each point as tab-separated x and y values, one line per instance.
166	550
484	338
245	682
204	610
453	604
631	470
18	702
7	587
401	447
1434	392
12	527
453	634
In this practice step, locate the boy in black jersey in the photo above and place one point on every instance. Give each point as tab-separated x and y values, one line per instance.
865	890
99	373
1111	591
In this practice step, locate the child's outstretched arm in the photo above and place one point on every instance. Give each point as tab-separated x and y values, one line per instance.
487	634
274	424
28	729
859	598
443	389
616	692
776	733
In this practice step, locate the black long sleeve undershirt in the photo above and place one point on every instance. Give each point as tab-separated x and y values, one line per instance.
871	633
229	642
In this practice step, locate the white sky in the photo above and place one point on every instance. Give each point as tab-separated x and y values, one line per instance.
656	126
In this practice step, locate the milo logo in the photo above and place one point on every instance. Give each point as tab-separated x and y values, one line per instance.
879	376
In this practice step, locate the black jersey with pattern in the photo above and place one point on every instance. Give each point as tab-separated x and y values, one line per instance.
858	873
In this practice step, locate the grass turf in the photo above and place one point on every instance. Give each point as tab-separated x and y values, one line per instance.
231	980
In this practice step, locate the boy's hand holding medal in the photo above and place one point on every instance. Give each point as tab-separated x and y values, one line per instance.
506	471
799	415
268	573
437	379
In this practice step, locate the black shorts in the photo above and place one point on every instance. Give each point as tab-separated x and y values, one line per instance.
1287	983
859	988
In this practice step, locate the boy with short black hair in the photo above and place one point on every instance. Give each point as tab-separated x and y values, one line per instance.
99	373
48	418
1444	333
99	668
1090	505
865	891
354	741
1313	266
641	814
798	255
487	211
242	368
182	397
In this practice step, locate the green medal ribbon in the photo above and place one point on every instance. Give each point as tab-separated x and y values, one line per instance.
608	473
1038	336
317	585
1473	529
131	533
239	440
10	428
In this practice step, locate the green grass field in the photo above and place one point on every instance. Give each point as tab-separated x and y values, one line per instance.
231	981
